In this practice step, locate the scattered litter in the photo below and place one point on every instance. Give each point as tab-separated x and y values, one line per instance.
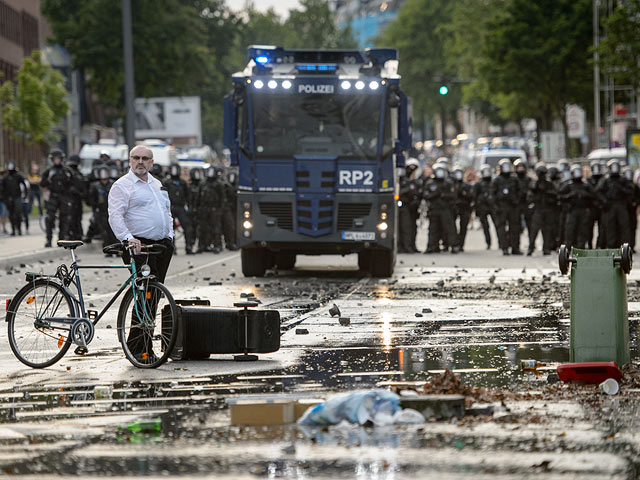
418	315
375	407
302	331
609	386
334	311
344	321
427	310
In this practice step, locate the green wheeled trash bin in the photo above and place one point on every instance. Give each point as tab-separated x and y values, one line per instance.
599	321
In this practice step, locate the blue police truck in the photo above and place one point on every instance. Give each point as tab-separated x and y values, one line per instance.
317	137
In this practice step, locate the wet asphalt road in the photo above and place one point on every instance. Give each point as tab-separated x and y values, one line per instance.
478	313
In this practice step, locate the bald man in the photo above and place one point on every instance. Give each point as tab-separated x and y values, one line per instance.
140	211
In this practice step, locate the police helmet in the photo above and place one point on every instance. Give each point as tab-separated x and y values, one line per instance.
156	170
597	169
211	172
553	171
458	172
576	171
440	170
520	166
232	177
563	166
104	154
74	161
444	160
174	170
628	173
219	172
103	173
56	154
485	170
505	166
97	163
196	173
413	163
541	169
114	173
124	165
11	166
614	167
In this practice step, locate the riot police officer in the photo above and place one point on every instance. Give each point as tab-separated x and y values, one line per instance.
505	190
578	197
210	203
195	175
484	202
410	196
613	191
58	181
525	212
543	195
14	190
178	191
78	193
98	199
439	193
463	205
595	212
229	211
632	205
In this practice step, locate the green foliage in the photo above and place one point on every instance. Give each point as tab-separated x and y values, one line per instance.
36	103
181	47
620	49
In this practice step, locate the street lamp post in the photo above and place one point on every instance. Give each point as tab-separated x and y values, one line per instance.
129	92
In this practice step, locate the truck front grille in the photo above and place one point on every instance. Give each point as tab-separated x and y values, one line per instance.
348	212
281	211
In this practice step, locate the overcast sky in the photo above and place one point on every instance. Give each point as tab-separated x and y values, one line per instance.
281	7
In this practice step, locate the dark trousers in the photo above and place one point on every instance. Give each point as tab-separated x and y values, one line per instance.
138	340
576	228
441	226
543	220
178	212
75	219
508	226
616	219
405	230
483	216
58	204
462	217
229	227
14	207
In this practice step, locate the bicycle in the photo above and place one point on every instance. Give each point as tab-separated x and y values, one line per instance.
45	317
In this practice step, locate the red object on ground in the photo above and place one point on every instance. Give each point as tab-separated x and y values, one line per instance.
589	372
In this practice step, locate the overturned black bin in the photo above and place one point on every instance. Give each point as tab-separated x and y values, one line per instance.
204	330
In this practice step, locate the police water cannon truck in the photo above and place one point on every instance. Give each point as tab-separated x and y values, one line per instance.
318	137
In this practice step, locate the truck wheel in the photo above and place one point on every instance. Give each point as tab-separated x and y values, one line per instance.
285	261
254	262
563	259
364	260
382	263
627	260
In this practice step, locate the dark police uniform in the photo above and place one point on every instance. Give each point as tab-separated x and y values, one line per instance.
58	179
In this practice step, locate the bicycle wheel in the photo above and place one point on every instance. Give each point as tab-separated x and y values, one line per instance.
148	326
34	345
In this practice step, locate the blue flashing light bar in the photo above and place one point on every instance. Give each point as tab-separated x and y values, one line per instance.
262	59
317	68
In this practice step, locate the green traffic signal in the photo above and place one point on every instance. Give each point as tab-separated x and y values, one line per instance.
444	90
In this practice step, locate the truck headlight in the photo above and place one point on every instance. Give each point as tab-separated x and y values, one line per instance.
247	225
382	226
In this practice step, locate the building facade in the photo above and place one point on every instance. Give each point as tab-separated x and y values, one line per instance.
22	30
367	18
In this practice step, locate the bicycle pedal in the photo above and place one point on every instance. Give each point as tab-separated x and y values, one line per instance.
81	350
92	314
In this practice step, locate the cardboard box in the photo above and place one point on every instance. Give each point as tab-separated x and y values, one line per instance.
262	412
302	405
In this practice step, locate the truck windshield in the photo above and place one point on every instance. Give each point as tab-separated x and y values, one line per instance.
316	124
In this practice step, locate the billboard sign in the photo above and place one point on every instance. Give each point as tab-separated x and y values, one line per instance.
552	146
168	118
576	121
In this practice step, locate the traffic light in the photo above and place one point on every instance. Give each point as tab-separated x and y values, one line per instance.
443	90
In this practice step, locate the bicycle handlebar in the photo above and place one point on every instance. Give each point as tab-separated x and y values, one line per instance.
119	248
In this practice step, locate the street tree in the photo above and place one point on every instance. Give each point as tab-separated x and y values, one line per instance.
418	33
535	59
32	106
619	49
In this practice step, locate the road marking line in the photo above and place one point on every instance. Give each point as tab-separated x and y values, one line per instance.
210	264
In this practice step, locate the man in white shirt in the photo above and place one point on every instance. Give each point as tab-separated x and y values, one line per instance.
140	212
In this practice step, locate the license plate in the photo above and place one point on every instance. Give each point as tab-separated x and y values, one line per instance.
359	236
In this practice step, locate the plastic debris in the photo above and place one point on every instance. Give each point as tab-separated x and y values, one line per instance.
344	321
334	311
375	406
609	386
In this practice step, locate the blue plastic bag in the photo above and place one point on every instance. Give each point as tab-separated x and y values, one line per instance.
377	406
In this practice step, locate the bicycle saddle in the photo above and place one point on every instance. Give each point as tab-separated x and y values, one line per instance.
70	243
